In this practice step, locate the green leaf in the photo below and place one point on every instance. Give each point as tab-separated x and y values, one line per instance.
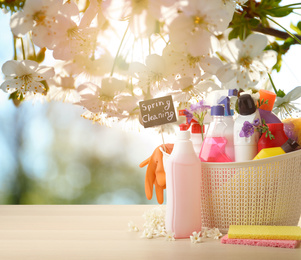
13	95
16	97
254	22
277	66
295	28
299	25
286	45
280	11
234	33
41	55
280	93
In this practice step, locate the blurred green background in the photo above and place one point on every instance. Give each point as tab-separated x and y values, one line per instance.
50	155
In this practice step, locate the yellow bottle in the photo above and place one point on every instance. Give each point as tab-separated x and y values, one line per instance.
289	146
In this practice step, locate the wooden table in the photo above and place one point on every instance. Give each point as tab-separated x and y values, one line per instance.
101	232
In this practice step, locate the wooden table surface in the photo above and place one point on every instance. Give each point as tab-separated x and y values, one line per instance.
91	232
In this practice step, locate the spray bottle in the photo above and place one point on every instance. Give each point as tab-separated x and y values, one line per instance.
228	119
213	147
245	147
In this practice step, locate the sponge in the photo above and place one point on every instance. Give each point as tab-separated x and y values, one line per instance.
261	242
265	232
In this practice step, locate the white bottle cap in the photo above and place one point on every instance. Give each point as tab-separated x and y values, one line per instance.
183	134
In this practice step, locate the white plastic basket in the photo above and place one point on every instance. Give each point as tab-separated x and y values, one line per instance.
259	192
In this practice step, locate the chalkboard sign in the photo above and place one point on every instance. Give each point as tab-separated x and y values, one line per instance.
157	111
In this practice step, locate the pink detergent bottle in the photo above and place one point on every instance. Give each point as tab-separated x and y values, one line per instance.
214	146
183	188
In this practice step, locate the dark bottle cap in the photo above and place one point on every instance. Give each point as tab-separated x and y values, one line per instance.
217	110
289	146
246	105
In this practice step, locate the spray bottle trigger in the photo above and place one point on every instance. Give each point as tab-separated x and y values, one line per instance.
226	102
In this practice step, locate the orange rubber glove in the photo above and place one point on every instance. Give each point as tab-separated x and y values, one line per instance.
155	174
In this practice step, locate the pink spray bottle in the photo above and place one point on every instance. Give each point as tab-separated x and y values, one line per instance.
183	187
214	146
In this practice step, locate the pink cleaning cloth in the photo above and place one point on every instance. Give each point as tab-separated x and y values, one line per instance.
261	242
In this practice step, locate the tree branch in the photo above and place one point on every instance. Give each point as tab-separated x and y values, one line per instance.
274	32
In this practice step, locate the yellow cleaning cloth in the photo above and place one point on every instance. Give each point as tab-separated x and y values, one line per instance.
265	232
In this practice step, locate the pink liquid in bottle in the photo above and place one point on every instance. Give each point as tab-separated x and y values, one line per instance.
214	146
213	150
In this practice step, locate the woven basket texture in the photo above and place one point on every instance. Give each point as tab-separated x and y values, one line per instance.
259	192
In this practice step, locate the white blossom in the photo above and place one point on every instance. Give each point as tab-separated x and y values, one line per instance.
194	28
147	234
247	62
170	236
142	15
284	106
196	237
63	89
25	77
151	75
38	16
154	222
101	99
206	232
71	40
132	227
213	233
186	88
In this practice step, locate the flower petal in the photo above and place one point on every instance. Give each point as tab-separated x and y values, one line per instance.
45	72
36	87
30	64
69	8
10	67
254	45
290	96
211	65
111	86
138	69
199	43
155	63
269	58
42	36
20	24
182	83
32	6
247	78
11	85
180	29
206	86
227	72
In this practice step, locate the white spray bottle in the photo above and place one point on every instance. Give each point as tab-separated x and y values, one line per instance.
245	147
